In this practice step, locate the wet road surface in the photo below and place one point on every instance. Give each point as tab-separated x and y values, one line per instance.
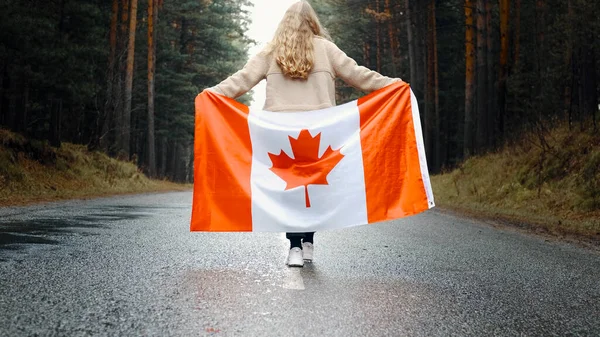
128	266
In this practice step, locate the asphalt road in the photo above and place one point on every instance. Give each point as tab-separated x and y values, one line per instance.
129	266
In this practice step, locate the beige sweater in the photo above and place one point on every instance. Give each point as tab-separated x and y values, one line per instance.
318	91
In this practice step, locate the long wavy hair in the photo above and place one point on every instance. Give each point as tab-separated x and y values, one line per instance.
292	46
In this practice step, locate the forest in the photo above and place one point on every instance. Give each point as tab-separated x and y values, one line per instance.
120	76
483	71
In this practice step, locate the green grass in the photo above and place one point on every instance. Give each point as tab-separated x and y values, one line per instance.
549	183
32	171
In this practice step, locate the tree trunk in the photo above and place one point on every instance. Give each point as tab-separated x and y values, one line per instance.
491	84
25	114
163	141
12	101
126	121
469	80
411	45
55	117
438	132
432	122
569	64
482	114
589	84
378	39
172	164
428	113
420	47
393	40
181	171
152	17
106	121
2	117
540	45
517	34
504	12
121	78
540	52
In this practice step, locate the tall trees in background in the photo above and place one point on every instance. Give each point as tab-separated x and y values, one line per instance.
503	68
151	144
103	126
125	122
469	127
412	59
45	80
479	77
434	130
482	70
75	71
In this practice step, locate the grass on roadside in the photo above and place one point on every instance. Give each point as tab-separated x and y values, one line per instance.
32	171
549	182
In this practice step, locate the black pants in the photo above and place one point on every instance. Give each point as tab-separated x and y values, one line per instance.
296	238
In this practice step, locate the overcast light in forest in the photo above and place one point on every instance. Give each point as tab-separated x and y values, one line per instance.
265	16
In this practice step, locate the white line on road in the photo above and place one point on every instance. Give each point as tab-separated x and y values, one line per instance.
293	279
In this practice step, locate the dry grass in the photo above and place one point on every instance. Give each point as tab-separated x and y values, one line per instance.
550	183
32	171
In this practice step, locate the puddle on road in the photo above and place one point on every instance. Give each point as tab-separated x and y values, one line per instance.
19	233
11	239
26	230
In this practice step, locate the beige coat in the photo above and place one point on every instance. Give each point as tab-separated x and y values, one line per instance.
317	92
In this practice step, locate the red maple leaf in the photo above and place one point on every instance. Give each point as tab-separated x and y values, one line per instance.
306	168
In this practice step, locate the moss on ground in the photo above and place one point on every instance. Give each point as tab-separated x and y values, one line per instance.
33	171
547	181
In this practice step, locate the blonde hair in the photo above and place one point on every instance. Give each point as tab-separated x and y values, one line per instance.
292	45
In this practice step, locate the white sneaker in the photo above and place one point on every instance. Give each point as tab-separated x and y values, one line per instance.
295	258
307	249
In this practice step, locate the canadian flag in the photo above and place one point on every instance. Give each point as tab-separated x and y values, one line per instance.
357	163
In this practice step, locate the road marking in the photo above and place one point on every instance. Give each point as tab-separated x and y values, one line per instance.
293	279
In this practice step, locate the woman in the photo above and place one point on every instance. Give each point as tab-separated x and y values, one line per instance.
300	66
